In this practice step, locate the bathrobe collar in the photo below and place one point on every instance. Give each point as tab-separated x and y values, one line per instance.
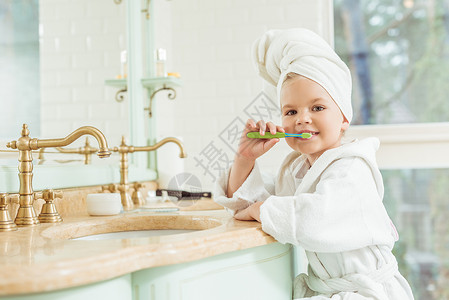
365	149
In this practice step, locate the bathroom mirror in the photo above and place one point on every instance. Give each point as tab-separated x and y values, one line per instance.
66	50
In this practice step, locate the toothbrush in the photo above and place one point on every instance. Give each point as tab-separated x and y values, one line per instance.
268	135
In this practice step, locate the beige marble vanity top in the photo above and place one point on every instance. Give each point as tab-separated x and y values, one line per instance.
43	258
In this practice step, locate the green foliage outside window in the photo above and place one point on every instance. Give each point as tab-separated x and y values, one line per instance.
398	52
418	203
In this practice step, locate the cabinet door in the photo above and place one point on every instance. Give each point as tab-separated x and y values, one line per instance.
264	272
115	289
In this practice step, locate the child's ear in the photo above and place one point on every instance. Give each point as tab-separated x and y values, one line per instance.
345	124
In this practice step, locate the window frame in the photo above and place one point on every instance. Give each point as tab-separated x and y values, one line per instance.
407	146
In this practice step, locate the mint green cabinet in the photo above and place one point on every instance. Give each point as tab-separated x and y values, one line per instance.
115	289
264	272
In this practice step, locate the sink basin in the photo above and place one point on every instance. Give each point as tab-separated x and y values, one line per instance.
133	234
130	226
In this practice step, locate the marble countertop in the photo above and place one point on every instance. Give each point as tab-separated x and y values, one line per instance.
44	258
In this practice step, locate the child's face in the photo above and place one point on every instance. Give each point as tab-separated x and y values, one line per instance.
307	107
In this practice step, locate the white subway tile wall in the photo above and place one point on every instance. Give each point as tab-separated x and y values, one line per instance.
81	42
208	42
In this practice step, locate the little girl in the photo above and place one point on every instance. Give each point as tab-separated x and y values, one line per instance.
327	196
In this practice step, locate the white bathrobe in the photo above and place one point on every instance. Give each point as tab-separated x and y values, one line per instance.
334	211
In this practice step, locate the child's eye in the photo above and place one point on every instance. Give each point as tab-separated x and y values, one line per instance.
318	108
290	112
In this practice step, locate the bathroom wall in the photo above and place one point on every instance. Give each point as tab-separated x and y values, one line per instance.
207	41
80	47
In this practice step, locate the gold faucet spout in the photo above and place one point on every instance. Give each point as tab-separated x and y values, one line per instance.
97	134
182	154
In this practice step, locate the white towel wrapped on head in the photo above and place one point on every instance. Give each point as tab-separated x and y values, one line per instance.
301	51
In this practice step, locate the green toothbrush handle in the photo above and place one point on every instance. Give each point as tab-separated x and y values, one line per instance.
257	135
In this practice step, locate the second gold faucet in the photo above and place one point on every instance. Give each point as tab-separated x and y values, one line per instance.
124	185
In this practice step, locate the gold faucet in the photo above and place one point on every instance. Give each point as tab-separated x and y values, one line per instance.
124	186
26	215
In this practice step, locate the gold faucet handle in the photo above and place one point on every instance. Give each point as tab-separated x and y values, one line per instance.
12	198
137	194
6	223
48	195
138	185
49	214
6	198
112	188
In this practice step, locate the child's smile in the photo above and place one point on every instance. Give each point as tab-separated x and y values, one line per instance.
307	107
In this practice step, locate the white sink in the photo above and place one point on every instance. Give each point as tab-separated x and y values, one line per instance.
130	226
133	234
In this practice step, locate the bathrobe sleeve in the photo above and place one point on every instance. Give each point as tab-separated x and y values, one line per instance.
342	211
256	187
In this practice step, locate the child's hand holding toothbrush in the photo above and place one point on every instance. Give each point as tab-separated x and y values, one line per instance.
249	150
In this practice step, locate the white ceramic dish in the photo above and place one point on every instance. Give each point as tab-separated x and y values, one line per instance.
103	204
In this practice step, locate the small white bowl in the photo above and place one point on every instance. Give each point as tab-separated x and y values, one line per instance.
103	204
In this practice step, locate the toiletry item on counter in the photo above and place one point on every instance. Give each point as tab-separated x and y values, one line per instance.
161	59
184	195
158	203
123	65
153	198
103	204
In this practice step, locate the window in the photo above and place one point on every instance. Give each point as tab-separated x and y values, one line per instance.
398	52
398	55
